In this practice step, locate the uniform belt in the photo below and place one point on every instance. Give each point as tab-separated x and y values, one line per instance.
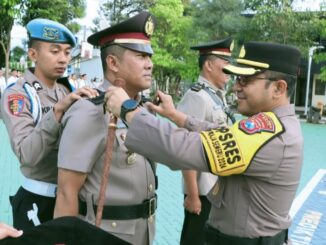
39	187
214	236
143	210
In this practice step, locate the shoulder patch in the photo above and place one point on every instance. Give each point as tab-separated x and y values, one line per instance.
261	122
16	104
37	86
230	150
197	87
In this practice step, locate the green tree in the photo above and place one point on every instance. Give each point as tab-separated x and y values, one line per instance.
9	10
16	53
173	61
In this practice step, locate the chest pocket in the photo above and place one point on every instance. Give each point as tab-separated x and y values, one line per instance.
218	115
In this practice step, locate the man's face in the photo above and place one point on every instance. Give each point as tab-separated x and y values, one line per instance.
135	69
51	59
218	77
254	93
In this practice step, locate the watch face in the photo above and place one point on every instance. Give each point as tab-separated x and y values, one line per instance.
130	104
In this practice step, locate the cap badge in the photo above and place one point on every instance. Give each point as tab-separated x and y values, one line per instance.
149	26
50	33
242	52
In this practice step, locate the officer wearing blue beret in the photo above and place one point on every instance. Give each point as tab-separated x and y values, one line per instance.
32	109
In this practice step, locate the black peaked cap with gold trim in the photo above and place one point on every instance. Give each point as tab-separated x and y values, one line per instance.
133	33
221	48
255	57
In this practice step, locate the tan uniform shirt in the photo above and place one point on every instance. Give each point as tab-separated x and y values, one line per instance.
252	204
201	105
82	148
36	146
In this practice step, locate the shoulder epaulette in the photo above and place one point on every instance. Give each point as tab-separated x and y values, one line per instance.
197	87
99	99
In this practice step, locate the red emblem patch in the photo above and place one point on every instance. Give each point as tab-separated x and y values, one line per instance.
16	104
256	124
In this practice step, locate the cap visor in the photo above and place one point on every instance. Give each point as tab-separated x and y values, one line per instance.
240	71
142	48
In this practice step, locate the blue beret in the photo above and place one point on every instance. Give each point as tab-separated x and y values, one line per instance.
50	31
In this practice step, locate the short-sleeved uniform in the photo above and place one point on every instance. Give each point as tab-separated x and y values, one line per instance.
35	145
197	102
131	178
252	202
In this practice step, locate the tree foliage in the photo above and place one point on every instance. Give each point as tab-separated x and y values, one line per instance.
173	60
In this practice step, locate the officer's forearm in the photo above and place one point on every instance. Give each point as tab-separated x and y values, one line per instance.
66	204
190	179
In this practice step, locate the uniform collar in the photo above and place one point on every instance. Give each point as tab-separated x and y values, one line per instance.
106	84
208	84
285	110
36	82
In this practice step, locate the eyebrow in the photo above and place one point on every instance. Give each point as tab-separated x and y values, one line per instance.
55	45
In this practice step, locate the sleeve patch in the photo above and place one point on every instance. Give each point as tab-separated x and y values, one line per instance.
231	150
257	124
16	104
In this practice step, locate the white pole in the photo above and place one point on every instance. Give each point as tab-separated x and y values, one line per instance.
311	53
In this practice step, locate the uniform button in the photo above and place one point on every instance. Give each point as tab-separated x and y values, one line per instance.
114	224
150	187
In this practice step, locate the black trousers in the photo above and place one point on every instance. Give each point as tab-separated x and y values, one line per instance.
22	202
193	224
64	231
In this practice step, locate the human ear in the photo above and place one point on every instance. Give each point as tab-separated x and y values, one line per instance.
112	63
280	87
32	54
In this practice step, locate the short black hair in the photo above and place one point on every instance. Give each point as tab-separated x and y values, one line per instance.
115	50
203	58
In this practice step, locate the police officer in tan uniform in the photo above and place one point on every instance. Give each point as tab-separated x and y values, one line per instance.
258	159
32	109
130	200
204	100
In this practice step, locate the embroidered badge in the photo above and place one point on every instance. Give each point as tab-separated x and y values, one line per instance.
256	124
50	33
149	27
16	104
37	86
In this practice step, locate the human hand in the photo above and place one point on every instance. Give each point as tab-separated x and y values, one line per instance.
114	97
163	105
8	231
192	204
63	105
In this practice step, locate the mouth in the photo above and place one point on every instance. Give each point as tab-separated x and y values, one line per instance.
240	96
60	69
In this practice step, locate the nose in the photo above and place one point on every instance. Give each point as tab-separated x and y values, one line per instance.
64	58
149	63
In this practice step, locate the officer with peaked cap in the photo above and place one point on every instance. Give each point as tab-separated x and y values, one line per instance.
32	109
258	159
206	101
130	200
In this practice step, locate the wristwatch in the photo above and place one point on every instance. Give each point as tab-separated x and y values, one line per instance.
127	105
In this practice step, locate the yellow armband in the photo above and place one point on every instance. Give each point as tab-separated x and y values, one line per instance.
231	150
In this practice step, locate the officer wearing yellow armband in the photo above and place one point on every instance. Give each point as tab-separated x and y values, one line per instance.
258	159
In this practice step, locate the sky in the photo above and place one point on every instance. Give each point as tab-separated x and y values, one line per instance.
18	33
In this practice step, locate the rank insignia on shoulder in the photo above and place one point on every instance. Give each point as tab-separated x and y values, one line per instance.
37	86
16	104
197	87
99	99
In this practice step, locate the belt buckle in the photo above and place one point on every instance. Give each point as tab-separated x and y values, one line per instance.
152	206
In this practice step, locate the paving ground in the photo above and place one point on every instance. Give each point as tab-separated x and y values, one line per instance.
309	226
